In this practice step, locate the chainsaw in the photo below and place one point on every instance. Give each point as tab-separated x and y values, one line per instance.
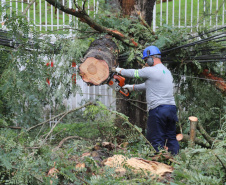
116	82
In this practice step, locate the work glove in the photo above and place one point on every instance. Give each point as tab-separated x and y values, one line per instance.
117	69
129	87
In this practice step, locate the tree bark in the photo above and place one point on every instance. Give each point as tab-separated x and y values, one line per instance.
99	58
204	134
144	7
193	122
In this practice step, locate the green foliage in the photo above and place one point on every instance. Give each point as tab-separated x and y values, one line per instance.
201	165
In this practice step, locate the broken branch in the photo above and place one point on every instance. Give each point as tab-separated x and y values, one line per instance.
28	6
204	133
87	104
197	141
84	17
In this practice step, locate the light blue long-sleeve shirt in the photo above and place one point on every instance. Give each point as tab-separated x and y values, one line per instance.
158	84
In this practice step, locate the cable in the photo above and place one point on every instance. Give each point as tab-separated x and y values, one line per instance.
197	42
199	78
206	33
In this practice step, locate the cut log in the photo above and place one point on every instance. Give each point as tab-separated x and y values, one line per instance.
193	123
99	58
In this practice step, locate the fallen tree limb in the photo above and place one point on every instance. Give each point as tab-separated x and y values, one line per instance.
64	140
84	17
28	7
186	138
204	133
220	161
54	127
67	112
61	119
67	138
12	127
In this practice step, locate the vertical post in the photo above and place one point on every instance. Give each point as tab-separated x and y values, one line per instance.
154	18
210	11
217	13
40	15
185	14
223	14
22	6
197	15
34	14
167	11
173	15
58	20
160	13
191	13
179	13
63	14
46	15
3	13
193	122
16	7
28	11
51	13
70	17
204	9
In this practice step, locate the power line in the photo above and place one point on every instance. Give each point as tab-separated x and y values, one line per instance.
200	78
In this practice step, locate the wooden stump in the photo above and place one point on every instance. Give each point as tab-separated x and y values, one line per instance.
193	123
99	58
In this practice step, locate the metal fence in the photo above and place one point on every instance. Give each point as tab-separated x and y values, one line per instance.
179	13
189	13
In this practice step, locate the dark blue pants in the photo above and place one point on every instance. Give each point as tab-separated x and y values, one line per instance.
161	128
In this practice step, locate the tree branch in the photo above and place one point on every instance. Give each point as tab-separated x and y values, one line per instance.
204	133
64	140
197	141
12	127
90	103
28	6
84	17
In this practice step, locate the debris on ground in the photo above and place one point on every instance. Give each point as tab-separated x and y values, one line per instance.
137	165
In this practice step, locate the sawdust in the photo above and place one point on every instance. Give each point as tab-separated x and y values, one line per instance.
137	165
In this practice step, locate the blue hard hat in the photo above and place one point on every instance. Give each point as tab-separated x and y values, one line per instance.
151	50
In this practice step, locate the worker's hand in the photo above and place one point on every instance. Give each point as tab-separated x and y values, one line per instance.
117	69
129	87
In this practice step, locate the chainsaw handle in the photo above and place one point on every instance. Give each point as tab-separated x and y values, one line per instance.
125	93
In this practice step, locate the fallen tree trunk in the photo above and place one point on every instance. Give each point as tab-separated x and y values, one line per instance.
99	58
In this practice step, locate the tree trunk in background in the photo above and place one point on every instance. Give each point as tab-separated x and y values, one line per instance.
136	111
101	55
145	7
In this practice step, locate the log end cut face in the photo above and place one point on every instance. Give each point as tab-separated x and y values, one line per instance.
94	71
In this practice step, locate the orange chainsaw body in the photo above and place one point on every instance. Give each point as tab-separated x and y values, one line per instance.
117	82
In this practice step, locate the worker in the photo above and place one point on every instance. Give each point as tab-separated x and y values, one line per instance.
158	83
